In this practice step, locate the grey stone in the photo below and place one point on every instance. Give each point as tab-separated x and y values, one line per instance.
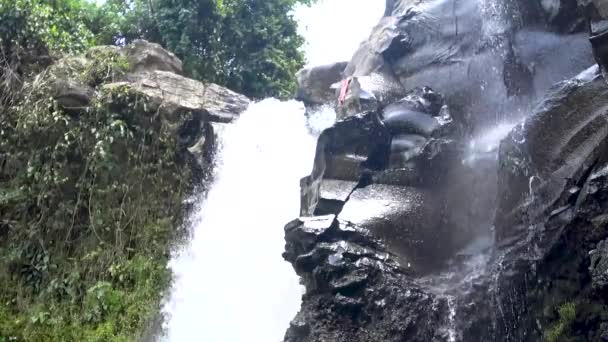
175	94
599	266
144	56
314	84
71	95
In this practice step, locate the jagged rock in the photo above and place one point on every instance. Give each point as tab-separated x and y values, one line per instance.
599	266
478	55
71	95
355	291
360	141
361	243
552	189
144	56
547	154
176	94
314	84
368	93
390	145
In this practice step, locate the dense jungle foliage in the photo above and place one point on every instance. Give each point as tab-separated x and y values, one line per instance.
92	203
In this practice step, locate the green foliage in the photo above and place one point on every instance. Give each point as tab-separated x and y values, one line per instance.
252	47
559	331
89	206
30	31
59	25
106	64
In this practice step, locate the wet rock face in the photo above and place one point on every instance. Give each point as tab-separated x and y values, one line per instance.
385	206
373	221
314	84
481	55
553	187
546	155
356	291
599	266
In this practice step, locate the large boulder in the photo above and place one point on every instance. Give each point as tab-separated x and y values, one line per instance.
485	58
144	74
551	213
176	94
355	288
145	56
314	84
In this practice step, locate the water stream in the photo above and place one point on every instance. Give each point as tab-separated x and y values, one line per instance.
231	283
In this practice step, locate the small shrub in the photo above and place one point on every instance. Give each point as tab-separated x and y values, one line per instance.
567	316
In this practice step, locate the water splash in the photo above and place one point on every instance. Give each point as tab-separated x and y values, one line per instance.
231	285
486	144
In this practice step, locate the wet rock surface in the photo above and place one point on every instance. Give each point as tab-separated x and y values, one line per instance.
315	84
501	248
498	49
356	291
367	232
552	191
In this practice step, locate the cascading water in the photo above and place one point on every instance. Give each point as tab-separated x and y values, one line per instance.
231	283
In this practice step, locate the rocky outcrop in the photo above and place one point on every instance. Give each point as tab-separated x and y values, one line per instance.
550	213
373	221
144	56
144	74
315	84
356	290
507	50
388	209
176	94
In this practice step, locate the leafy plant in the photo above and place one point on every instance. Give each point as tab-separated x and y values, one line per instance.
91	203
567	316
252	47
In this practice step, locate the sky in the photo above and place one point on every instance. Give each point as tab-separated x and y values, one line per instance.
334	28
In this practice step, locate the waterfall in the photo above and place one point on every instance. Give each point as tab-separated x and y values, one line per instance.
230	282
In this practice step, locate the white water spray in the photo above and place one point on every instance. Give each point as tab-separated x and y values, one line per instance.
231	283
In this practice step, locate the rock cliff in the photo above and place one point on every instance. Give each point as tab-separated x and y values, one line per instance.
405	234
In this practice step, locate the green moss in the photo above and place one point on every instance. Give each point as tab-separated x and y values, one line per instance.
89	207
560	330
106	64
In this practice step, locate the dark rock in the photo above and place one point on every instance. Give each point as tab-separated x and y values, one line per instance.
361	138
552	190
314	84
407	220
473	52
545	156
599	266
72	96
144	56
355	290
368	93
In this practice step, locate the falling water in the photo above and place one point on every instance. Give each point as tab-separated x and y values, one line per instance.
231	282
